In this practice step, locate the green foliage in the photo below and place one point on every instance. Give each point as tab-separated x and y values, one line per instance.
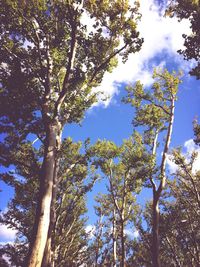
189	9
21	209
152	106
196	128
69	236
179	219
124	168
51	58
154	112
48	51
180	222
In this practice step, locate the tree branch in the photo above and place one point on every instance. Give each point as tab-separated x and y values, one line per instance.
166	148
103	64
70	66
153	154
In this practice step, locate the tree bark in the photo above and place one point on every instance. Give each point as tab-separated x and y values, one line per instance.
155	231
42	222
48	257
123	263
114	240
157	192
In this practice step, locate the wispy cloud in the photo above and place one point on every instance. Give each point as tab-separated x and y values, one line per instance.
161	35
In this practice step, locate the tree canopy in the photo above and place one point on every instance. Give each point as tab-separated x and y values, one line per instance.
189	9
54	55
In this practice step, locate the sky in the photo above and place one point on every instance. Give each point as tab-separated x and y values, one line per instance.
112	119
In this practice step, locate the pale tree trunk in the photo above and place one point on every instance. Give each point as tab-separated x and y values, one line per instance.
158	191
48	258
155	232
122	237
114	240
99	234
53	133
41	227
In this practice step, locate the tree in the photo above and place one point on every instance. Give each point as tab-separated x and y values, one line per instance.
99	248
50	61
154	111
124	169
141	247
179	218
68	238
189	9
181	234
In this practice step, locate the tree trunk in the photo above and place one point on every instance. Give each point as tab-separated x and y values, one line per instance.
157	192
41	227
48	252
48	257
155	231
114	240
123	263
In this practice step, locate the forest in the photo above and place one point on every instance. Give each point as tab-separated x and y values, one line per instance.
93	201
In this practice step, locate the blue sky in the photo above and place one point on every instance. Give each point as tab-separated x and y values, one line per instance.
112	119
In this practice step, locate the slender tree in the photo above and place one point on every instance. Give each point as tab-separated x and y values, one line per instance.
179	218
50	61
98	245
124	169
154	111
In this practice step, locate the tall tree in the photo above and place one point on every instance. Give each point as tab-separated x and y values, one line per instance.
179	218
50	61
154	111
124	169
100	249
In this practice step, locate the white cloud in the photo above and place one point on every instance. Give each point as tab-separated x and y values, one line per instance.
190	146
7	234
161	34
